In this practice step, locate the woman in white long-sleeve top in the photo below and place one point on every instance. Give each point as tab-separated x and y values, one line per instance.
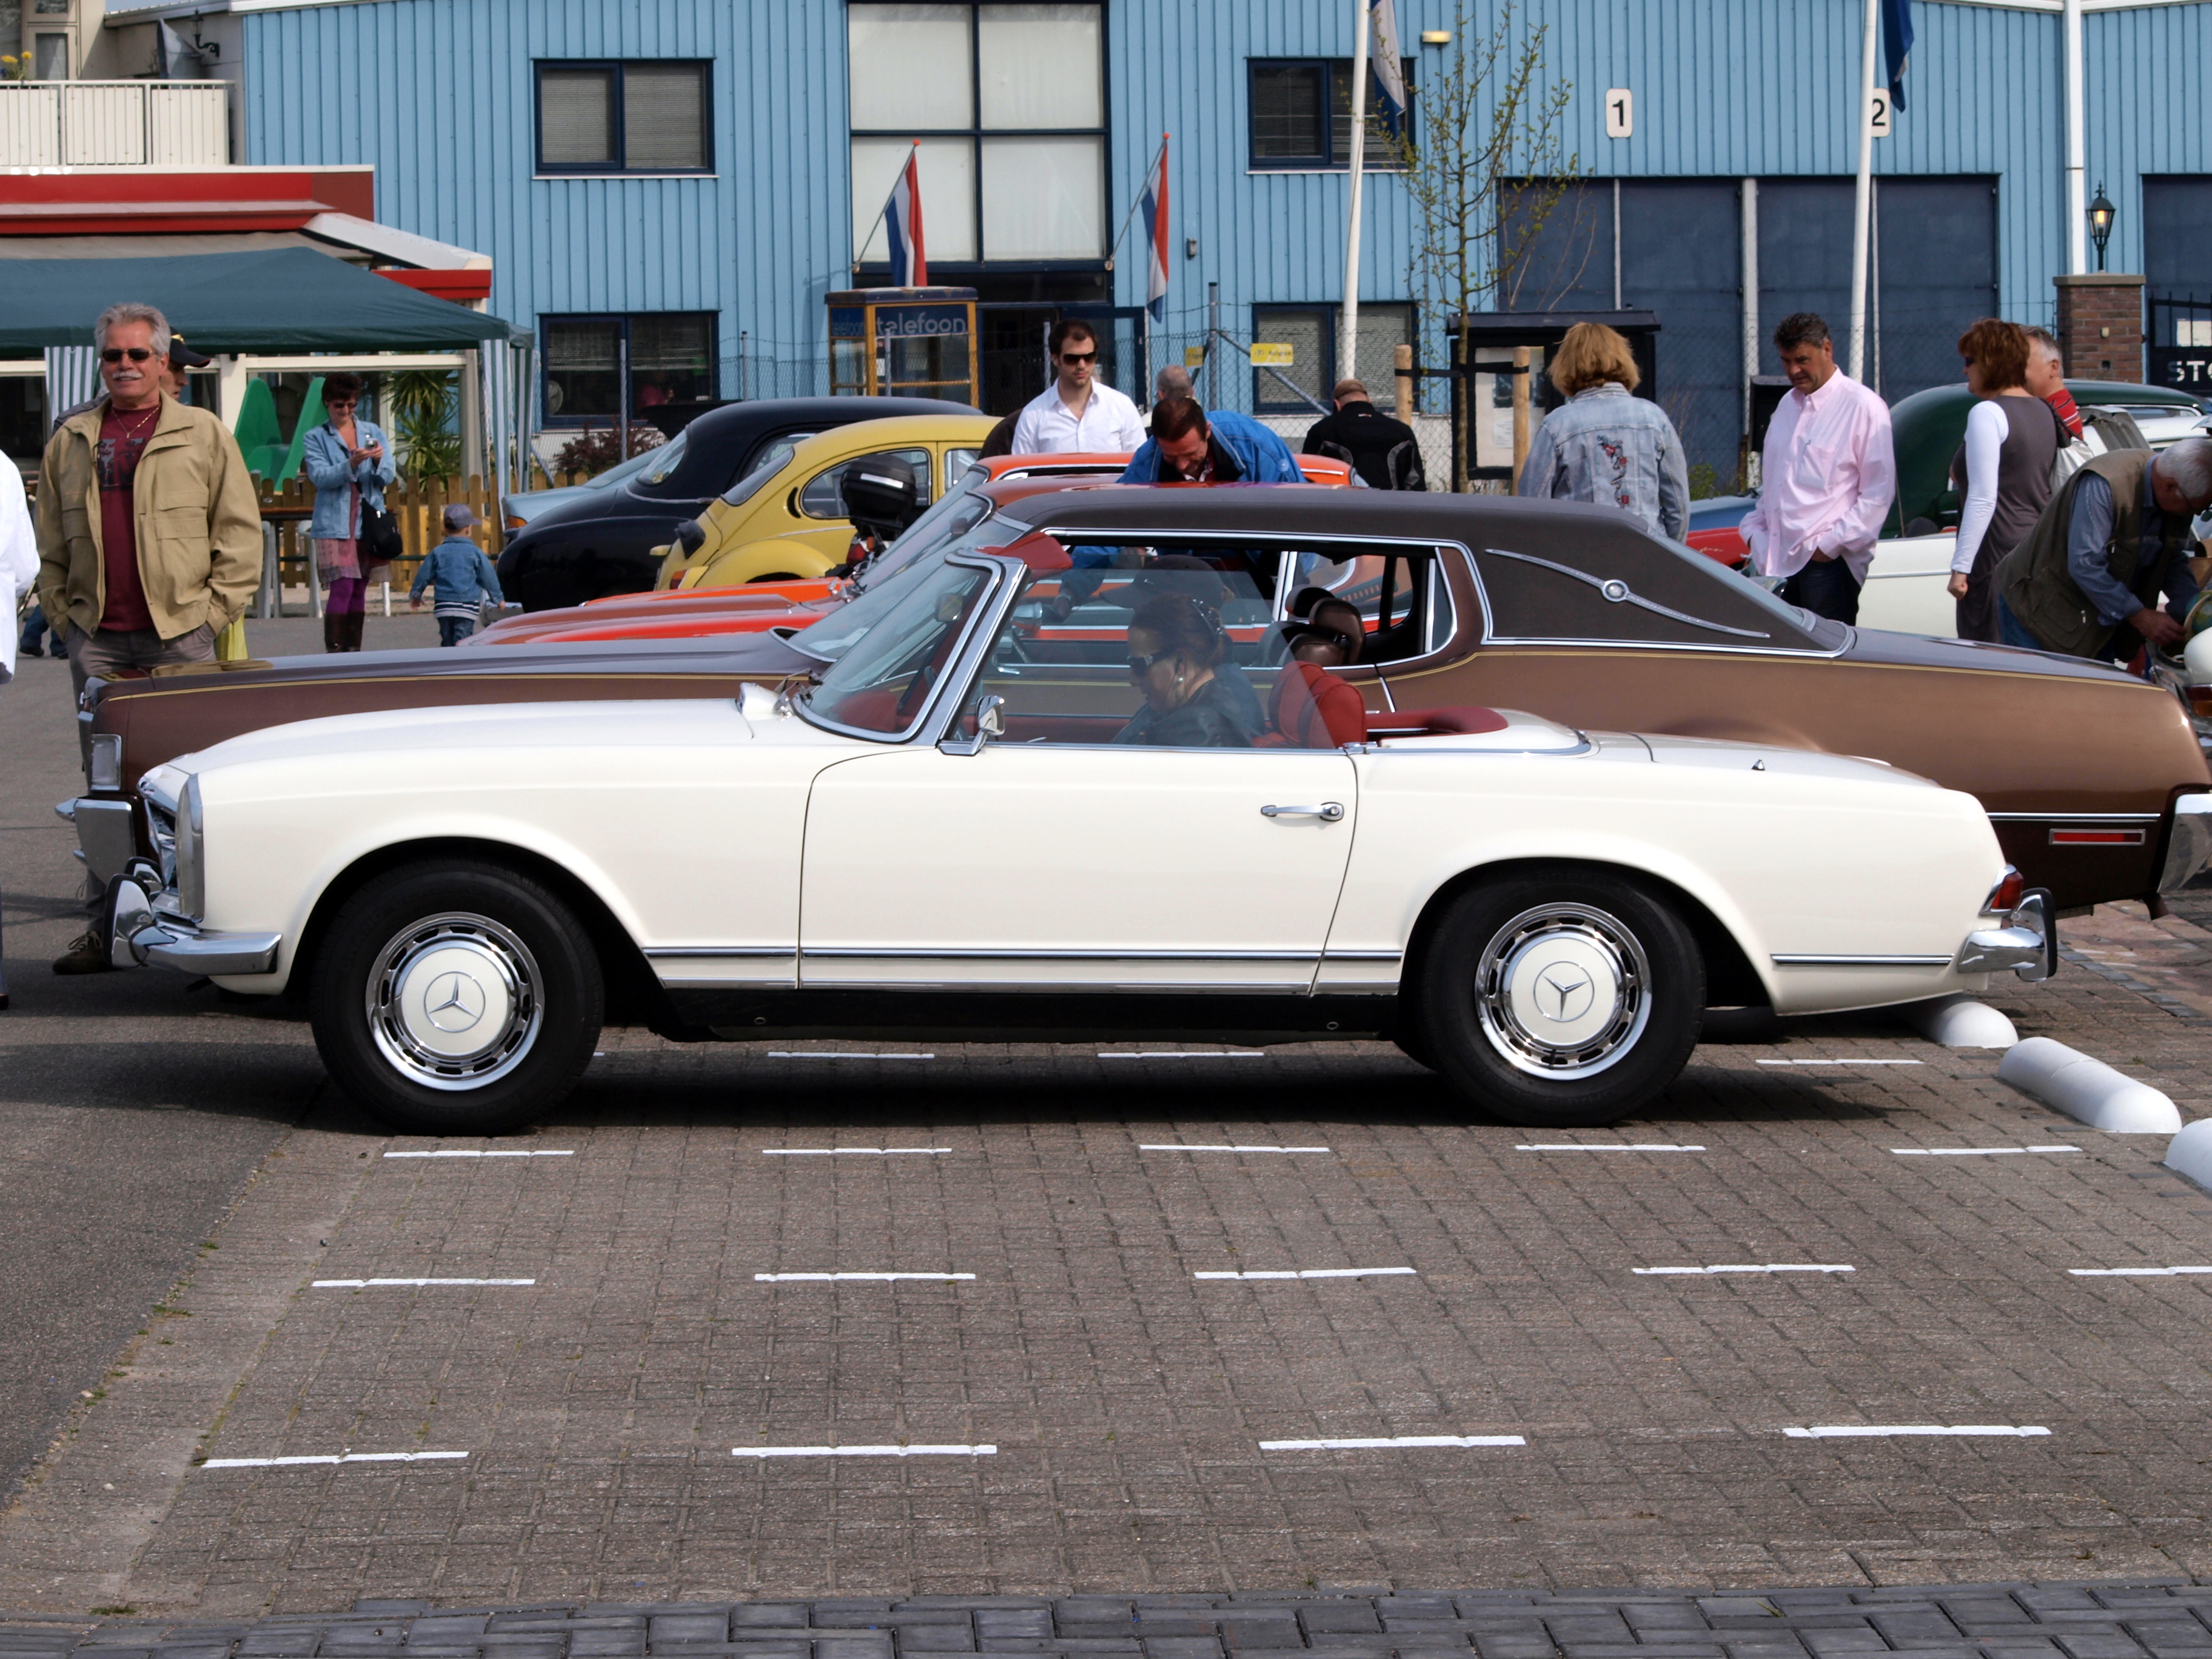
2013	437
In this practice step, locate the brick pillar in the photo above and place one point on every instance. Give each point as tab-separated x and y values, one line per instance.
2100	326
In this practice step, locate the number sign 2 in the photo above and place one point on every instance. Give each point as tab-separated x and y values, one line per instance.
1619	112
1878	112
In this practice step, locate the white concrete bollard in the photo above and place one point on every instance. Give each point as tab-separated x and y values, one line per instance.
2190	1154
2069	1081
1958	1022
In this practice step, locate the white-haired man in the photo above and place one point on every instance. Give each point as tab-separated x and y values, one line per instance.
2111	543
149	532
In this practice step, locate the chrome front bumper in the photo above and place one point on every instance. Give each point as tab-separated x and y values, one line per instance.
2028	943
2189	844
142	932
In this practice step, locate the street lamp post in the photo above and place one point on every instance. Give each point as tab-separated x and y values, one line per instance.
2101	214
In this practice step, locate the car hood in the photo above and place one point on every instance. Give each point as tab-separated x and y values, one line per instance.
754	655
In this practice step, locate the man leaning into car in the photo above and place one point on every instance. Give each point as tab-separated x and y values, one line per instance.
2115	537
149	533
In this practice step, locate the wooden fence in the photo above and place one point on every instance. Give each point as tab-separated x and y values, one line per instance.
419	511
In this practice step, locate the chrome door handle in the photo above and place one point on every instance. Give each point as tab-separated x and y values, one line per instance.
1329	811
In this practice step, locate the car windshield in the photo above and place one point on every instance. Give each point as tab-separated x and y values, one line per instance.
835	634
960	509
666	459
623	471
881	682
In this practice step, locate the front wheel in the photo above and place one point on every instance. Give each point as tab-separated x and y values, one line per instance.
456	997
1561	997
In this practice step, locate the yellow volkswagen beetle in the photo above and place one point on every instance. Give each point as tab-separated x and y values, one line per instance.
785	520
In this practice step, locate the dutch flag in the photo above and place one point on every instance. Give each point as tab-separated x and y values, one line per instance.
1153	204
902	225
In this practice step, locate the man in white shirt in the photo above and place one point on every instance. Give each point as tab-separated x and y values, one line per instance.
1077	413
1827	476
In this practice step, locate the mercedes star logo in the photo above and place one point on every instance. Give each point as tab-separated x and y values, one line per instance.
1570	991
455	1002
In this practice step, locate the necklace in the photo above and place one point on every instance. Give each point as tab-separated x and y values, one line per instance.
124	415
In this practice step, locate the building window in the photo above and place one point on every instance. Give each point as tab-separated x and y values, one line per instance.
1008	104
623	117
670	360
1301	114
1311	331
50	58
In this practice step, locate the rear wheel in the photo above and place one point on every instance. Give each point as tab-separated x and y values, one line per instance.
1561	997
456	997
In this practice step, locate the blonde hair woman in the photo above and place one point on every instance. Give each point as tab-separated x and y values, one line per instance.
1604	445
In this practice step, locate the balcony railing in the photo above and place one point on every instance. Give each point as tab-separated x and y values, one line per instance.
114	124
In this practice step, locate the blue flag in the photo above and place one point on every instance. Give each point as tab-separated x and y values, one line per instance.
1897	46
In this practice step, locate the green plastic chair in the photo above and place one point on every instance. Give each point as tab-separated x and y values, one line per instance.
310	417
257	431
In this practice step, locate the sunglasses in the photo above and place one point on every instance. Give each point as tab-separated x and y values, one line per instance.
117	353
1140	666
1078	357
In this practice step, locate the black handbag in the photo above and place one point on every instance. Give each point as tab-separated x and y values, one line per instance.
378	542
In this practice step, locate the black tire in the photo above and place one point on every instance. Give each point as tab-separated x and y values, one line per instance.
1613	1050
516	965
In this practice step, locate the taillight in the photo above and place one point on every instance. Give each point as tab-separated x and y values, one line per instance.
514	523
2199	701
2006	894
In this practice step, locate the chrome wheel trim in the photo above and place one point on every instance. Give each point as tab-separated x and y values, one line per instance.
454	1001
1563	992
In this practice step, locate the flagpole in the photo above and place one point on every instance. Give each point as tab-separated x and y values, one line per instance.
1862	202
1347	345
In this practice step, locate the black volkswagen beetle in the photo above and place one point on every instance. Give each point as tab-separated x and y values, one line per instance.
588	549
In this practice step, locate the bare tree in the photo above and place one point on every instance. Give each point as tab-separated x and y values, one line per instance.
1485	165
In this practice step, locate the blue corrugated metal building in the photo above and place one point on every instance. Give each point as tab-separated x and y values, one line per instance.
680	177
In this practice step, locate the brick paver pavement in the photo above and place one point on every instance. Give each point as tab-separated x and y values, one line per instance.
598	1406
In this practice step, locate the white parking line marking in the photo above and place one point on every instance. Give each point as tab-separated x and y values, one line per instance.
1394	1440
830	1279
365	1284
1975	1152
346	1457
864	1451
852	1151
1607	1146
1315	1272
1842	1063
838	1054
468	1154
1872	1431
1180	1146
1757	1268
1190	1053
2135	1273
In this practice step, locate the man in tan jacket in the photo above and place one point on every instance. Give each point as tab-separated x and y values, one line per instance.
149	528
149	531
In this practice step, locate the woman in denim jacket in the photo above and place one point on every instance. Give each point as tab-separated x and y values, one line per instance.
1603	445
349	463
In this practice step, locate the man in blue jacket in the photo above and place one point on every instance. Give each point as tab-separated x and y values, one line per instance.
1186	446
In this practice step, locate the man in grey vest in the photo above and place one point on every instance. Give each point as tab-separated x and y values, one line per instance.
2088	580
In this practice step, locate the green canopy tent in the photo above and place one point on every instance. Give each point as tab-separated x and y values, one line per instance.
283	299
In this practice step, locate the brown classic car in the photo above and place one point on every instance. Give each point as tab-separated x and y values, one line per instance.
1569	611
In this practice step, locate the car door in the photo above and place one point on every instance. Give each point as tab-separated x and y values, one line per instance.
1057	857
1052	865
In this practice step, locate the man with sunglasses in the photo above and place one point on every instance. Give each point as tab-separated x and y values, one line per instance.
149	533
1078	413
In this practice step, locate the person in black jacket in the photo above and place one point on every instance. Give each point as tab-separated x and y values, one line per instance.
1385	453
1175	644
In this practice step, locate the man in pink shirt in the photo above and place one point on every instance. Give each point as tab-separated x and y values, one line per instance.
1827	476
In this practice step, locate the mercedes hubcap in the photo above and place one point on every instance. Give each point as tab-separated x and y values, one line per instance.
1563	991
454	1001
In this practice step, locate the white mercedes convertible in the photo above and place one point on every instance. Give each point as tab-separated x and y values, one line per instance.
1017	797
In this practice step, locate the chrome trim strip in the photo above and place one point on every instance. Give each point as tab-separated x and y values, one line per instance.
1807	960
1363	956
1085	987
725	951
895	953
2061	818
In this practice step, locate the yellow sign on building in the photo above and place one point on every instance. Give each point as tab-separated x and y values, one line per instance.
1271	354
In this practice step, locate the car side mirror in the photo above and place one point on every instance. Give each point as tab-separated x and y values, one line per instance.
690	535
990	725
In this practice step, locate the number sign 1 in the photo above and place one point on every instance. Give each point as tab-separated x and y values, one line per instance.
1619	112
